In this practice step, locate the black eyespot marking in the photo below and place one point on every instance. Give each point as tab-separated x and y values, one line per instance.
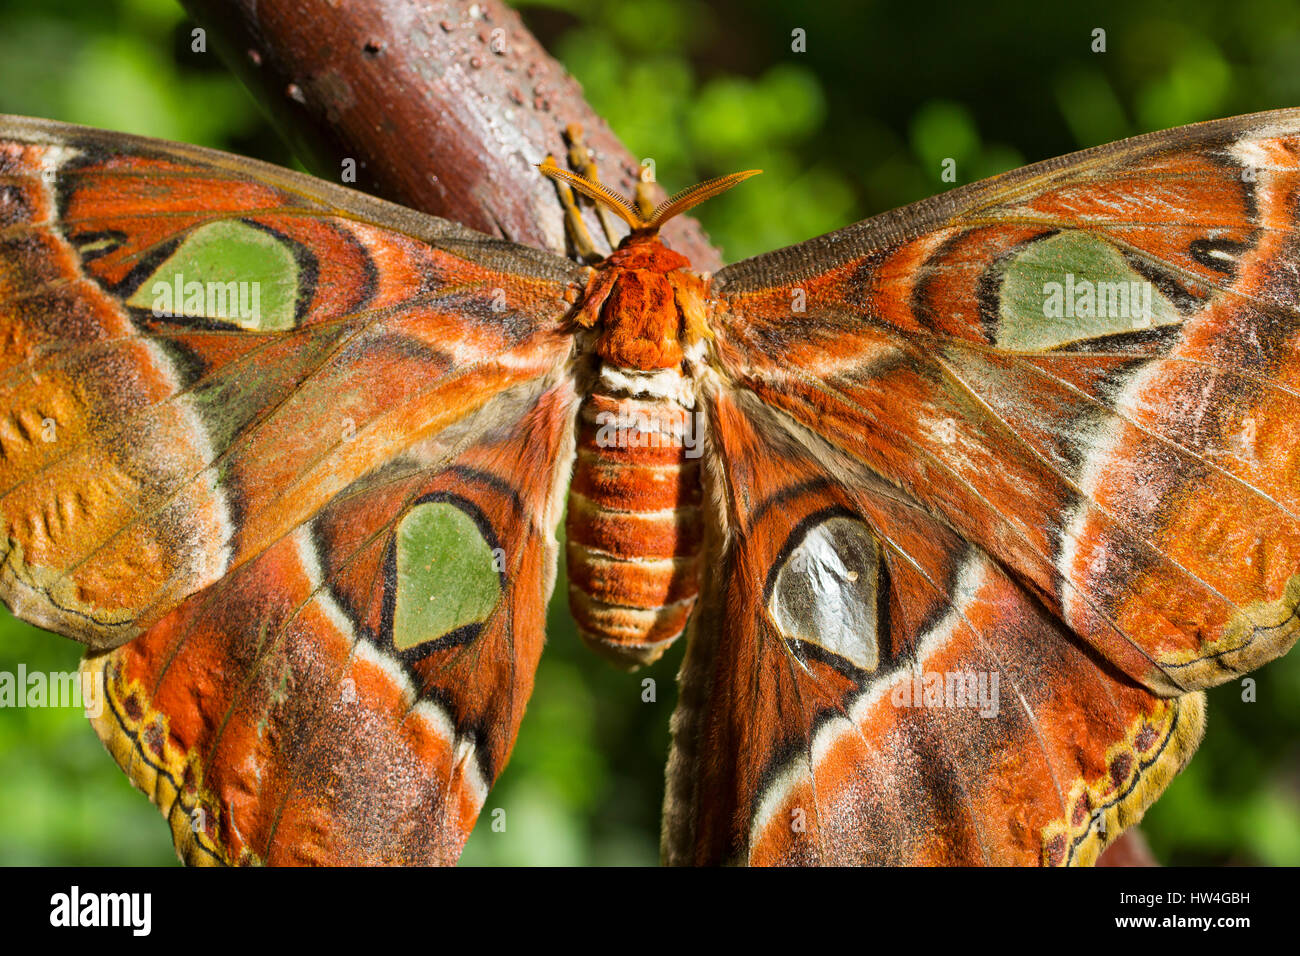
1221	255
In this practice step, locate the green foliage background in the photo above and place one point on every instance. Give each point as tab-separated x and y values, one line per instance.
857	124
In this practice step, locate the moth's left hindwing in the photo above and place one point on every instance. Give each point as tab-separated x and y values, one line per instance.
308	449
350	694
1081	380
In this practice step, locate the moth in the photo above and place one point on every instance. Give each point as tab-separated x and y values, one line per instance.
959	508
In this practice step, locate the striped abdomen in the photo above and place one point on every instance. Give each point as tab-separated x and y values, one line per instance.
634	524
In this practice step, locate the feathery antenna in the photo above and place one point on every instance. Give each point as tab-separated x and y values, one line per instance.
674	206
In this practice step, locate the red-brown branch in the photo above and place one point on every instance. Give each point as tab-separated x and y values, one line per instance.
445	106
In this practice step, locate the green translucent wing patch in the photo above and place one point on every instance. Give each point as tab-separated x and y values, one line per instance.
447	575
228	271
1072	286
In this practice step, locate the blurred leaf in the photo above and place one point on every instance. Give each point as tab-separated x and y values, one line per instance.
943	130
1090	106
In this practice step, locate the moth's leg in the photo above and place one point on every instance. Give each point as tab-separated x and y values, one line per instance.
643	196
582	163
573	224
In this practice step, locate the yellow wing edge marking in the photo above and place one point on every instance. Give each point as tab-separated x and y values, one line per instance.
1256	634
49	599
1139	767
170	777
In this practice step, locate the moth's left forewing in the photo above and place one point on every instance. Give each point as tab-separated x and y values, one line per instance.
199	351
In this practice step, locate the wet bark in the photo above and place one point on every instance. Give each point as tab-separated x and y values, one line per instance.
443	106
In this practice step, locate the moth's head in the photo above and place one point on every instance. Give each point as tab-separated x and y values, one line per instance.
644	220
